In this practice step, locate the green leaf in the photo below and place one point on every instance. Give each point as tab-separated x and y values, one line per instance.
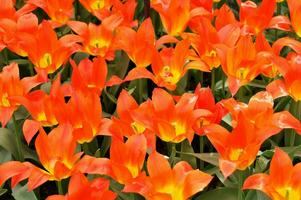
258	195
211	158
4	155
8	142
220	193
2	191
22	193
186	147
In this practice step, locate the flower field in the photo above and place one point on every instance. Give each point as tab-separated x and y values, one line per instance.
150	99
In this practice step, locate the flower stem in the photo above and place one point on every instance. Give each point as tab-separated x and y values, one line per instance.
18	140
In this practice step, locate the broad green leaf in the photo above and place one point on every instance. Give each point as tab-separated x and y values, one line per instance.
211	158
258	195
8	142
4	155
220	193
22	193
186	147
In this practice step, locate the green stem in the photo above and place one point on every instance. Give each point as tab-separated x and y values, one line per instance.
18	140
60	187
86	149
240	182
172	154
201	150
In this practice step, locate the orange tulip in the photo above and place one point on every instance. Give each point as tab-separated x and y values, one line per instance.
99	8
250	13
44	109
224	17
206	4
295	10
172	122
206	37
56	152
98	39
81	188
178	183
125	124
275	61
175	14
59	11
12	30
8	11
127	158
139	45
289	69
45	51
260	112
242	63
206	101
169	66
84	113
127	10
11	86
252	125
283	181
89	75
105	8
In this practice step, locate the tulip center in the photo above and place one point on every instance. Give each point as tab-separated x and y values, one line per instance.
4	100
41	117
166	74
212	54
179	128
289	193
137	127
235	154
99	43
242	73
98	4
45	61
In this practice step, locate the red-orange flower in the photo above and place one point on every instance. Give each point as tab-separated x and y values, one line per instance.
56	152
84	113
125	124
11	30
252	125
98	40
81	188
206	101
59	11
250	13
289	69
169	66
11	86
139	45
242	63
283	181
295	13
206	37
99	8
45	110
89	75
178	183
175	14
171	122
45	50
127	158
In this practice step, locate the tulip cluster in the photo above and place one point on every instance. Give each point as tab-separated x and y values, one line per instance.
153	99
